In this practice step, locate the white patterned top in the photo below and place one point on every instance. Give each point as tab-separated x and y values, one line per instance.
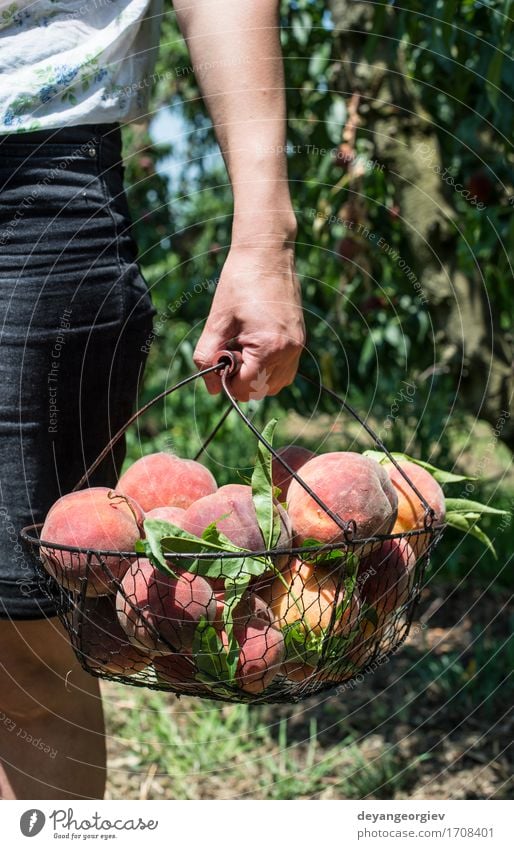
68	62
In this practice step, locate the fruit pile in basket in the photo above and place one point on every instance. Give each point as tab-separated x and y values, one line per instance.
244	586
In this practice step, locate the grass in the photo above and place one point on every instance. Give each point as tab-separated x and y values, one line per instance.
208	751
425	720
432	723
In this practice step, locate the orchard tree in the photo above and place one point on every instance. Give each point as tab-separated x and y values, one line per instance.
401	168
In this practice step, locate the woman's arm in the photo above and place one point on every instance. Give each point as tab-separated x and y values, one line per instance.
235	49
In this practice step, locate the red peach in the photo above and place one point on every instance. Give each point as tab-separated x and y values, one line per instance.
353	487
385	576
162	479
411	512
252	606
261	654
295	456
174	515
159	612
102	642
233	511
96	518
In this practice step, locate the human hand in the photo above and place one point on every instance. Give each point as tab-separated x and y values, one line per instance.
256	310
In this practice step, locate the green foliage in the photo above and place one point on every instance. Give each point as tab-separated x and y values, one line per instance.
440	475
367	331
216	666
263	491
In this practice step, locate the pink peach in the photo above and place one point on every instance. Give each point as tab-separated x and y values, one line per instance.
162	479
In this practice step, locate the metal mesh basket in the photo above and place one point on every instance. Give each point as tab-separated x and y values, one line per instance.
314	617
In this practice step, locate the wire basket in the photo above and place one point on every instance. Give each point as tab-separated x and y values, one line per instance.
303	623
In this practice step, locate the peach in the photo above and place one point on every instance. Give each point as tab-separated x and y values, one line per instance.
332	672
95	518
102	642
219	600
252	606
359	652
411	512
297	671
353	487
159	612
164	480
174	515
175	669
385	576
261	654
362	650
233	511
295	456
309	597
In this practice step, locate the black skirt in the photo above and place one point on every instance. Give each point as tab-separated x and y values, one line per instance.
75	317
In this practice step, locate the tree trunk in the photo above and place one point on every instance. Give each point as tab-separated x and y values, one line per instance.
468	339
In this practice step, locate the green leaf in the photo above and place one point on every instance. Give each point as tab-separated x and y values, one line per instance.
232	568
466	524
393	335
263	493
335	118
367	352
296	644
176	539
210	655
370	613
234	591
310	542
462	505
301	26
215	537
152	546
322	557
164	537
319	60
493	77
448	16
440	475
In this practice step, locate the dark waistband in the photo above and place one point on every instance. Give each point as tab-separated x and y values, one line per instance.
109	134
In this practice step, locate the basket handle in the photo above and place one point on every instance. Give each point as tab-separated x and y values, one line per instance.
232	360
228	361
349	527
429	511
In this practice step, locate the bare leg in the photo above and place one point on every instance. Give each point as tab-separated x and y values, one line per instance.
52	743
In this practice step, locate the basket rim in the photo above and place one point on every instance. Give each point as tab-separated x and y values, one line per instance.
27	534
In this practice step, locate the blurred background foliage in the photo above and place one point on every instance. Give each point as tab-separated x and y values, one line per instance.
406	275
402	176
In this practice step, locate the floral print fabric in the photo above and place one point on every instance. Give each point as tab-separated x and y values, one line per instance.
68	62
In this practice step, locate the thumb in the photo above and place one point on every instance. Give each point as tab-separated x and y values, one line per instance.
205	355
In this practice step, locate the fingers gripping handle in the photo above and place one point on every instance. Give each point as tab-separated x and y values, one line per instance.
230	361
